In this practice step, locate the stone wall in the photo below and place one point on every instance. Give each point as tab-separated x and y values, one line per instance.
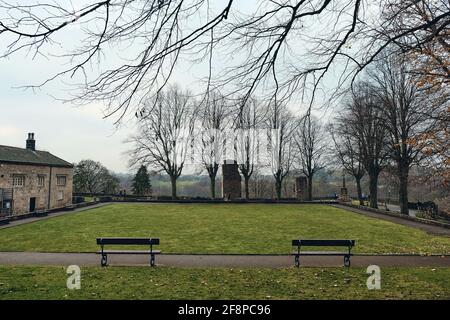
22	195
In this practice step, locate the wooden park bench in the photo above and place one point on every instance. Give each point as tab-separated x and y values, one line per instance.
127	241
323	243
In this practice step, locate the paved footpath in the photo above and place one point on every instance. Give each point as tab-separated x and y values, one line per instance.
429	228
51	215
228	261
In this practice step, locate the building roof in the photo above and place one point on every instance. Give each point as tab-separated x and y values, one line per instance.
31	157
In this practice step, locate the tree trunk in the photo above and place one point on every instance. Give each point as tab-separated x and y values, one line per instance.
173	181
403	171
212	180
358	188
310	188
373	190
278	188
246	181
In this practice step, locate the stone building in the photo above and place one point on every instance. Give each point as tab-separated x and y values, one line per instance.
231	180
32	180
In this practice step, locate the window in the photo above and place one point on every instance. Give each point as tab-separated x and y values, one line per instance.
60	195
60	180
41	180
18	181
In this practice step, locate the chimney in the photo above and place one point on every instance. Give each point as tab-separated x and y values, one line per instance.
31	143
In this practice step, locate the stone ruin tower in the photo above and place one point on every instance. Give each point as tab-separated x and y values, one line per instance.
301	188
231	180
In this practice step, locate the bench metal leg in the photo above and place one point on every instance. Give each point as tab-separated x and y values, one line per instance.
104	260
152	260
297	261
347	261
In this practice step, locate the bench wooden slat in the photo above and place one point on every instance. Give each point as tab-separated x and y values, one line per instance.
322	253
127	241
129	252
324	243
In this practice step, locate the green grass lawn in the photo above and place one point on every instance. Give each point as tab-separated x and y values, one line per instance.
34	282
219	228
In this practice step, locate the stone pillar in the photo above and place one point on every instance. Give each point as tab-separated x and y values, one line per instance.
231	180
344	193
301	188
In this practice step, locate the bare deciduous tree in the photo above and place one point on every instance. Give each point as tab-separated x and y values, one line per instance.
281	146
264	41
249	118
406	114
428	56
365	119
214	118
261	186
429	48
312	147
165	134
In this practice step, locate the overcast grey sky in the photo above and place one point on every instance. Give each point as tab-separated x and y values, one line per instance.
68	131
